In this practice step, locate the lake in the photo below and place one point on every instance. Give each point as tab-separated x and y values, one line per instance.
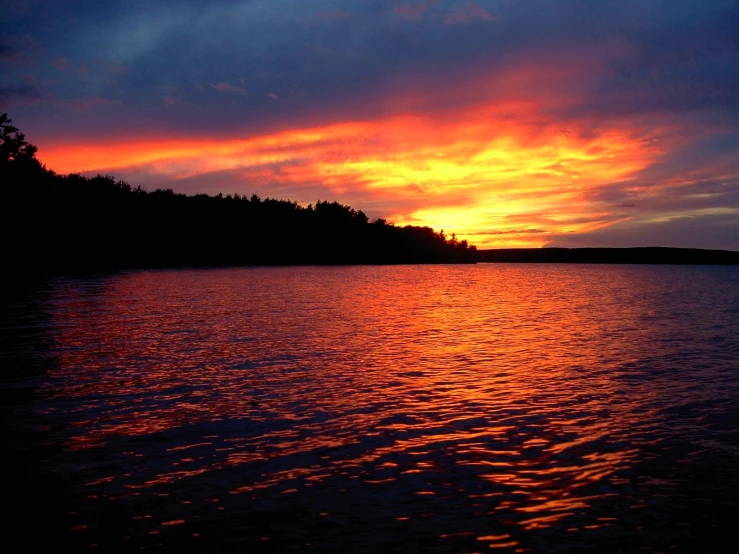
518	408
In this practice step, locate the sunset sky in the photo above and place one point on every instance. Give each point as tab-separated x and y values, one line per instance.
509	122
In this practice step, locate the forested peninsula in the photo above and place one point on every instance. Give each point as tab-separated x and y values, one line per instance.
69	224
55	223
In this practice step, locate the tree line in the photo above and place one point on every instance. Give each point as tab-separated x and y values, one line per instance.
69	223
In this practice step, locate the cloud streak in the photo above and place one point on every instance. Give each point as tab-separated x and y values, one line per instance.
447	171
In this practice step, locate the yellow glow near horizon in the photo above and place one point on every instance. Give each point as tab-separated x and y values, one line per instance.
495	175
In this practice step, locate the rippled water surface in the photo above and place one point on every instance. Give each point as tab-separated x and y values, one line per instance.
526	408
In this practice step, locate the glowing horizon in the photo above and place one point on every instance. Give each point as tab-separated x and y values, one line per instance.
457	172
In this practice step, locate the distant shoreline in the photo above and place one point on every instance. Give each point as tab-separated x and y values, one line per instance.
638	255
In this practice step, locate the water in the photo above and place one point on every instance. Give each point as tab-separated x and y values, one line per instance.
522	408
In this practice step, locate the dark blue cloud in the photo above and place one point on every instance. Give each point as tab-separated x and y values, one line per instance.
667	55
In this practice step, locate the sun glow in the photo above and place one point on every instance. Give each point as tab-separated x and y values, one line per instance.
496	175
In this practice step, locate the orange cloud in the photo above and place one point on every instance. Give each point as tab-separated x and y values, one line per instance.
500	174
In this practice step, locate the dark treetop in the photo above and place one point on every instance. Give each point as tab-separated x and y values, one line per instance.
67	223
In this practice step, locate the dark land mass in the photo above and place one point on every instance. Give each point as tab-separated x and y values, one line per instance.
69	224
647	255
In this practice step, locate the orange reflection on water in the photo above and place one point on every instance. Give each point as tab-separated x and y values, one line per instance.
493	393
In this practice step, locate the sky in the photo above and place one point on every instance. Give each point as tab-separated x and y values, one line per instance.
511	123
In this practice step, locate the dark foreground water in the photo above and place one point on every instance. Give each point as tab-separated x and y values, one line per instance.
521	408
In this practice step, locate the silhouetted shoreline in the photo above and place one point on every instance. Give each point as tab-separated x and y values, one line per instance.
70	224
640	255
61	224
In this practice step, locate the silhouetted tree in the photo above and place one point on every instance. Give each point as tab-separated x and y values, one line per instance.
54	223
13	144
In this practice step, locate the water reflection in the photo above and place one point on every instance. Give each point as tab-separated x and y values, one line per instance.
423	408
